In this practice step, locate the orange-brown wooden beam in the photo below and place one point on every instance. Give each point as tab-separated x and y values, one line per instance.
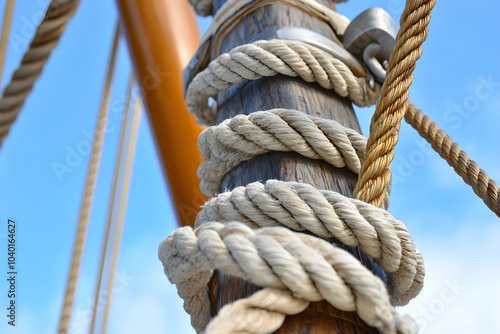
162	37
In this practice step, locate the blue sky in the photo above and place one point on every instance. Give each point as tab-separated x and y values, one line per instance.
457	83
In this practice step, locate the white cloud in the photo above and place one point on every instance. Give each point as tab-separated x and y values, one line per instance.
461	293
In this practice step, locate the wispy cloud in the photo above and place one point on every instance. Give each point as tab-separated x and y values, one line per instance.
461	293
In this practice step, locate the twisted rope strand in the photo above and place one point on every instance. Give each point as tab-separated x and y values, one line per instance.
268	58
391	107
263	312
301	207
484	187
239	139
275	257
45	40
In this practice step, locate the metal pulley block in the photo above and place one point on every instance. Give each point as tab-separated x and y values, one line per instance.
371	37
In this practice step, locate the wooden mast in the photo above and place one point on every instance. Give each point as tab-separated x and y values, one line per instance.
293	93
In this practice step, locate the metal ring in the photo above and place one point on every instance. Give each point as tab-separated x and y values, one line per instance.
369	57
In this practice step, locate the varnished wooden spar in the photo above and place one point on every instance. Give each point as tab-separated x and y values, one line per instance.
292	93
163	36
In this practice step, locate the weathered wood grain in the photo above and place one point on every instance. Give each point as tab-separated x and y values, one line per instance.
293	93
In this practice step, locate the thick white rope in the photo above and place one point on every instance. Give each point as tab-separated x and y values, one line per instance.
268	58
326	214
263	312
241	138
46	38
294	268
307	267
189	260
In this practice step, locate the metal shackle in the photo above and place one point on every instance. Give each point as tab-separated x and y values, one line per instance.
371	37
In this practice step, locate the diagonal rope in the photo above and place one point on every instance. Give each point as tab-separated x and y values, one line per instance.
112	201
45	40
8	15
484	187
122	206
88	194
391	107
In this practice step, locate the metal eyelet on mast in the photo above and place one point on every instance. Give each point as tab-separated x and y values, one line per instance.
371	37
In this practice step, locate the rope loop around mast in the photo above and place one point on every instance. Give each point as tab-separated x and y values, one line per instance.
269	58
243	137
304	267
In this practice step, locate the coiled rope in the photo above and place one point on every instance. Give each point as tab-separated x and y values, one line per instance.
252	232
276	257
326	214
241	138
307	267
268	58
45	40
